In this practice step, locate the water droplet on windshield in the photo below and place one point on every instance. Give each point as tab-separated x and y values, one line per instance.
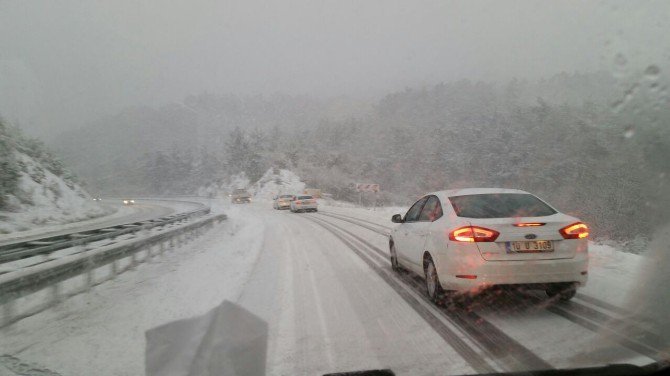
619	59
629	132
627	96
652	71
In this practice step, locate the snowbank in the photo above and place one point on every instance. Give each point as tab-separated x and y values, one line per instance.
45	199
274	183
223	188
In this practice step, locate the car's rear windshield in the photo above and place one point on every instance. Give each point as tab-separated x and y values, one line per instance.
285	196
304	197
500	205
240	191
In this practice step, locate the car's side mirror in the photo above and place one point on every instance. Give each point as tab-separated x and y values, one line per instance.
397	218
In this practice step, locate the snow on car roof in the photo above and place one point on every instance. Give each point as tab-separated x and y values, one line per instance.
475	191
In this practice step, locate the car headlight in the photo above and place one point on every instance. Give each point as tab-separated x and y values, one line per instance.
125	201
132	201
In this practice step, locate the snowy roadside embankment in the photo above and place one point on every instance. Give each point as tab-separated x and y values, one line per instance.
43	198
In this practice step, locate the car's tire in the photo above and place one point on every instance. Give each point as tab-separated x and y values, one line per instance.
564	291
433	287
568	294
395	265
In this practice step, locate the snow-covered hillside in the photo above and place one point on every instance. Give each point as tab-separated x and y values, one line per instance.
277	182
272	183
43	198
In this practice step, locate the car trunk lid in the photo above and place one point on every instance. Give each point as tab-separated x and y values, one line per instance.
529	238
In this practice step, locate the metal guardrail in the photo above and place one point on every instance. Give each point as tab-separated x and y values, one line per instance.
24	282
19	250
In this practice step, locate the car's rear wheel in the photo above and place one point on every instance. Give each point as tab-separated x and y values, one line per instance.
565	291
433	286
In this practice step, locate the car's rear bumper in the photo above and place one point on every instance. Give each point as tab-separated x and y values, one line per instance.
475	276
305	207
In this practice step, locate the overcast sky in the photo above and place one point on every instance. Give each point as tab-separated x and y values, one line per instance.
63	63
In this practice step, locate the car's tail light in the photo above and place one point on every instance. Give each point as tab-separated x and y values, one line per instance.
529	224
466	276
576	230
298	202
473	234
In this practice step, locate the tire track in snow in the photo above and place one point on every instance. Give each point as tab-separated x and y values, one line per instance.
602	304
451	338
374	319
596	321
358	222
597	324
498	345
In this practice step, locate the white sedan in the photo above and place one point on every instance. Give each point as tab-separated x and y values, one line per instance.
303	203
462	241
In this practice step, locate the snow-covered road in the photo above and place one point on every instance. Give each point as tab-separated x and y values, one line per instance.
324	286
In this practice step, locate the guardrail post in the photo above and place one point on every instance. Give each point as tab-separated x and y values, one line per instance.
162	247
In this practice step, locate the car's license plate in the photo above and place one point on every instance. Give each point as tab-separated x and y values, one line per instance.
530	246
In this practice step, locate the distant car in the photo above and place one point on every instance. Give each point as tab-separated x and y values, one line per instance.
240	196
128	201
282	202
469	239
303	204
97	199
